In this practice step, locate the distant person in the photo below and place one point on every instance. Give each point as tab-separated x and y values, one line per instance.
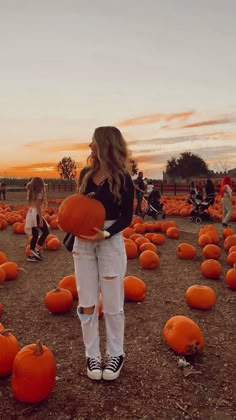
3	189
35	224
199	191
210	192
155	197
139	192
192	189
226	200
149	189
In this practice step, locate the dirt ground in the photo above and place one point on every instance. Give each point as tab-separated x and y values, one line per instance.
151	384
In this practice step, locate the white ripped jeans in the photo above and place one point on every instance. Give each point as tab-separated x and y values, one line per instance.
100	267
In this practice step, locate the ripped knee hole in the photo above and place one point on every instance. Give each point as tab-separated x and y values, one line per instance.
109	277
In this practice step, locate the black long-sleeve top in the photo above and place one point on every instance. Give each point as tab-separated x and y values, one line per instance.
121	211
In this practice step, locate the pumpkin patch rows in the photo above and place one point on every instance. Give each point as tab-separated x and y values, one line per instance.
165	284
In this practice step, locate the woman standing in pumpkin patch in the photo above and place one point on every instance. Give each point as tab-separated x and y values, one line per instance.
100	260
226	200
35	224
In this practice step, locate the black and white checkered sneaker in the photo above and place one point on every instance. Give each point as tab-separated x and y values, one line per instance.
113	367
94	368
32	258
36	254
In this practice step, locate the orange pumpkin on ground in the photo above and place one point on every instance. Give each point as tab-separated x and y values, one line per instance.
54	244
148	246
2	275
127	232
27	250
149	260
229	241
3	257
186	251
139	228
231	258
11	269
79	215
136	219
200	297
211	251
172	233
69	283
131	249
135	236
206	229
149	227
166	225
232	249
203	240
9	347
158	226
158	239
58	301
134	289
49	237
149	235
227	232
230	277
211	269
213	235
183	335
33	374
142	240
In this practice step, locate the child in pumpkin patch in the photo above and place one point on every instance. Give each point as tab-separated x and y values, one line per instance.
35	224
226	200
100	260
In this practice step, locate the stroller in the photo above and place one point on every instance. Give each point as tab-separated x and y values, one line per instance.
154	207
199	211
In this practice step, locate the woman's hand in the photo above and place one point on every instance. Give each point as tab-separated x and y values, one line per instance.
99	236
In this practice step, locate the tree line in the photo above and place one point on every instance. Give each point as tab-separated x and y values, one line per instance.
187	165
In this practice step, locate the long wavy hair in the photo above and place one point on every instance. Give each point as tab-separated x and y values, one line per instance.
112	154
225	181
34	187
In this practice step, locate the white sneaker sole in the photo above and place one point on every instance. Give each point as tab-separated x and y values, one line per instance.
36	255
107	375
95	376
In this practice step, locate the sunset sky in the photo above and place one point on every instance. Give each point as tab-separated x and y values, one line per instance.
163	71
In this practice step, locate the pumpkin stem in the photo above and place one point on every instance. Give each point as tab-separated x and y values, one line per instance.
6	331
22	269
38	349
57	290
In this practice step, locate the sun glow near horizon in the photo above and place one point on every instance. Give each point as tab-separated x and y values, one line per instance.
168	86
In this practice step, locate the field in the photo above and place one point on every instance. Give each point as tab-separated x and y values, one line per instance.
151	385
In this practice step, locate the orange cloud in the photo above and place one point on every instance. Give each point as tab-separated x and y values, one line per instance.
42	169
209	122
57	146
223	135
153	118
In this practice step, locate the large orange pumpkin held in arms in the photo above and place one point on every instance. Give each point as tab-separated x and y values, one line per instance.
183	335
79	215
